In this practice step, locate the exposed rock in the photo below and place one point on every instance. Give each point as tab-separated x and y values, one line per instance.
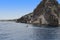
47	12
25	19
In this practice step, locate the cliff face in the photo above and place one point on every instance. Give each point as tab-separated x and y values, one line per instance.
59	13
47	12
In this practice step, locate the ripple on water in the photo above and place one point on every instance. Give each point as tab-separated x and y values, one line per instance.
15	31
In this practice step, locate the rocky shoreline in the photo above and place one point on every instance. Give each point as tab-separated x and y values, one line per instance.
47	12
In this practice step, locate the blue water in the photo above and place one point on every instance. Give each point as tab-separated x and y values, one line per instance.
19	31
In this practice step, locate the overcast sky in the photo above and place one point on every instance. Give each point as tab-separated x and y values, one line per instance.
11	9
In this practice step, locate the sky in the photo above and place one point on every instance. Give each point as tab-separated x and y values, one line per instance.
12	9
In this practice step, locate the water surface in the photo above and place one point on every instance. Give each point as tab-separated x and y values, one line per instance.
19	31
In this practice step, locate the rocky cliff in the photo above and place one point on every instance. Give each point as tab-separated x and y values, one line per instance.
47	12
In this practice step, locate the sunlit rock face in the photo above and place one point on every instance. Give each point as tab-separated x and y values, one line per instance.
47	12
49	9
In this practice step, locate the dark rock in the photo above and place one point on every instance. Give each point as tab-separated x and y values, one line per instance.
47	12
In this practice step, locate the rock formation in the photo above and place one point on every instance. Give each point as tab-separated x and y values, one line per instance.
47	12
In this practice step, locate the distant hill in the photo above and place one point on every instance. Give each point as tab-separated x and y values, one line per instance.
8	20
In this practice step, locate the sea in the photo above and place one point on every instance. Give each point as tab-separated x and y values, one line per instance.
21	31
